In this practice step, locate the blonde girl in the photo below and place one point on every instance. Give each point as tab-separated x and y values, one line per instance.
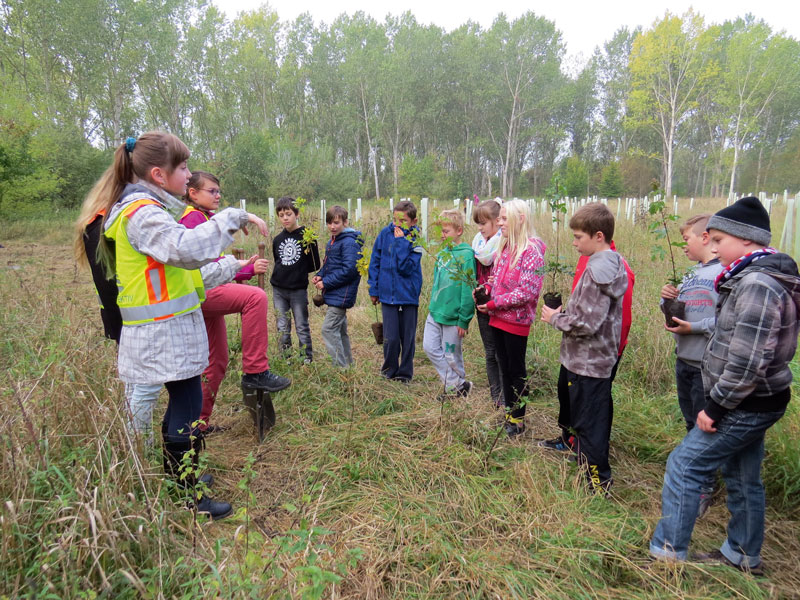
514	286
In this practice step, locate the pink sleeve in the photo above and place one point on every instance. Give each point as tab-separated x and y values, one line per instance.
193	219
245	274
529	283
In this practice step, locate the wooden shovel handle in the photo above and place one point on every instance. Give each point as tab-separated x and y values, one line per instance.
261	253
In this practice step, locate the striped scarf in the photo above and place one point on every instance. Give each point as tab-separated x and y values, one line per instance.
740	263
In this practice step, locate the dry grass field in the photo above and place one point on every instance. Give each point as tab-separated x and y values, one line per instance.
364	488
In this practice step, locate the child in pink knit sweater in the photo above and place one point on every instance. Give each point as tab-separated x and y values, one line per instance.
514	286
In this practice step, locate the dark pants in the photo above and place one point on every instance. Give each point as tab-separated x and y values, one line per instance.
564	415
492	368
183	409
691	397
510	351
399	336
591	410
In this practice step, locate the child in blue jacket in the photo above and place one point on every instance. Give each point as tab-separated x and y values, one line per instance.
395	280
338	281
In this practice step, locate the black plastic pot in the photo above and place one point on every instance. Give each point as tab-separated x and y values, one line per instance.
481	296
552	300
377	331
673	308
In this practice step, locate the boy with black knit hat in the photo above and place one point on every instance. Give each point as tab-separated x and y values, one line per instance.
747	381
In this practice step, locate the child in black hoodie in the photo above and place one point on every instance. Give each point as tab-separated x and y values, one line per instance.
294	260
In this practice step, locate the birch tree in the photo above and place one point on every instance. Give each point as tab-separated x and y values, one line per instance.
669	66
754	73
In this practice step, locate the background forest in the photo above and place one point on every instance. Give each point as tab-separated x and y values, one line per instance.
364	108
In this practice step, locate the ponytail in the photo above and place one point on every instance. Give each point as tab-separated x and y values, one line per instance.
133	160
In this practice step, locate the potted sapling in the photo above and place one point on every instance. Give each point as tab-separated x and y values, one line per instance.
554	268
659	228
310	238
362	264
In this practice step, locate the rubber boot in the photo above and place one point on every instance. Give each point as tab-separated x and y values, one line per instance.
206	504
174	451
172	468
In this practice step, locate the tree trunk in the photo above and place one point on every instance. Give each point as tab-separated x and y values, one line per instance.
758	168
670	154
372	152
731	188
510	144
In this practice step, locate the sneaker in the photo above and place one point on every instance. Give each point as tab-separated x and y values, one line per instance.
514	429
266	381
307	361
557	444
215	510
716	557
464	389
705	503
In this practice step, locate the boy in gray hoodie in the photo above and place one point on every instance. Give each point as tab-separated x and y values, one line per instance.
691	335
747	381
591	327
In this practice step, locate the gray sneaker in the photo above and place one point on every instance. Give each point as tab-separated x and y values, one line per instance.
269	382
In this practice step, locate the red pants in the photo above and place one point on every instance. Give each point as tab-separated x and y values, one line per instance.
231	298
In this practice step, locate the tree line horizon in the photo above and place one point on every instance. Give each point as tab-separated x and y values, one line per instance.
365	108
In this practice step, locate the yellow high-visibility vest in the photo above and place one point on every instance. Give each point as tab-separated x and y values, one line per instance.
191	209
150	291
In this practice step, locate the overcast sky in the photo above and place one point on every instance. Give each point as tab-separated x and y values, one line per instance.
584	24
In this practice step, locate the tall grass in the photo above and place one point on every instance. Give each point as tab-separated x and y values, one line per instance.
364	489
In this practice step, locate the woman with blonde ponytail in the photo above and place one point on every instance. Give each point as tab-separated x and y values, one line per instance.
514	286
161	270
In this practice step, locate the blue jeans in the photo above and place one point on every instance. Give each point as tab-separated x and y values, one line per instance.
737	448
290	303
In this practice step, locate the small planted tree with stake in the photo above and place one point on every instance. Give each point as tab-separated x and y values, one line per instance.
554	268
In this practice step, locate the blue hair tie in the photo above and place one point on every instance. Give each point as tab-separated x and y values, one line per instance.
129	144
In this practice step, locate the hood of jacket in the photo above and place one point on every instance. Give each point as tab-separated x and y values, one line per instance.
608	273
782	268
349	232
140	189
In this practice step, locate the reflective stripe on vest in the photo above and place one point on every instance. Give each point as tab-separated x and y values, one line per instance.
149	290
159	312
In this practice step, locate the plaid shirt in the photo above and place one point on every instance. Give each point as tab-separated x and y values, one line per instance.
755	335
176	348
